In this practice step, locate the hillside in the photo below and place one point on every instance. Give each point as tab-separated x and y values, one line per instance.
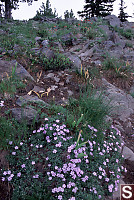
71	75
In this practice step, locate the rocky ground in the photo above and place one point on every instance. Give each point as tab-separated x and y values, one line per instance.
88	56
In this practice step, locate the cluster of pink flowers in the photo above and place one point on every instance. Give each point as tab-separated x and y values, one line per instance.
1	103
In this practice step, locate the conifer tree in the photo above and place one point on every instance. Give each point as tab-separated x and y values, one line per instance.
45	10
123	16
97	8
68	14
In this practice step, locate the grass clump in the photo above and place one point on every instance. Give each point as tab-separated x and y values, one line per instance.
57	62
92	106
11	83
127	33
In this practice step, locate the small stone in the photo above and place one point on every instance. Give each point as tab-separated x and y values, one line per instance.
53	87
56	79
128	153
50	75
61	83
70	92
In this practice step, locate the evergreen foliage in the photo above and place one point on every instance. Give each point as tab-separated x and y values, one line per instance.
123	16
97	8
46	10
68	14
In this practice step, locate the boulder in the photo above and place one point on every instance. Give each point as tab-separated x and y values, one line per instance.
121	102
113	20
27	114
47	52
6	68
58	46
75	60
68	39
128	153
26	98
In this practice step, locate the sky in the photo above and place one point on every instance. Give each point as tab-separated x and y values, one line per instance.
26	12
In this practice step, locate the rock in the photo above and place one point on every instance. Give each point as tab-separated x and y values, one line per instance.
38	89
53	87
96	62
75	60
128	153
105	29
70	93
47	53
67	39
87	53
122	103
116	194
113	20
36	51
75	48
56	79
68	79
58	46
108	44
129	56
6	67
26	98
27	114
37	39
45	43
50	75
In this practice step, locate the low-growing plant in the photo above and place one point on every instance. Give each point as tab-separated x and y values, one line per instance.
59	61
11	83
91	105
127	33
130	45
51	164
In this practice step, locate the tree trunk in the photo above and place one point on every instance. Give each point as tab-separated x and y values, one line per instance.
7	9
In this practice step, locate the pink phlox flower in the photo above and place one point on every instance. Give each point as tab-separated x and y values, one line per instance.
23	166
19	174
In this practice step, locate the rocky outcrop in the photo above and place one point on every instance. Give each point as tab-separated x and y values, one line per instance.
122	103
6	68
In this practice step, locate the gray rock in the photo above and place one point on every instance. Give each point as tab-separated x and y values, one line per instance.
58	46
47	52
128	153
56	79
108	44
38	89
67	39
105	29
50	75
28	114
70	93
26	98
6	67
129	56
75	60
122	103
45	43
37	38
36	51
53	87
96	62
113	20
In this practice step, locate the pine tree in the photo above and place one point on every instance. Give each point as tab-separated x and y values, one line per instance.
123	16
68	14
45	10
97	8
